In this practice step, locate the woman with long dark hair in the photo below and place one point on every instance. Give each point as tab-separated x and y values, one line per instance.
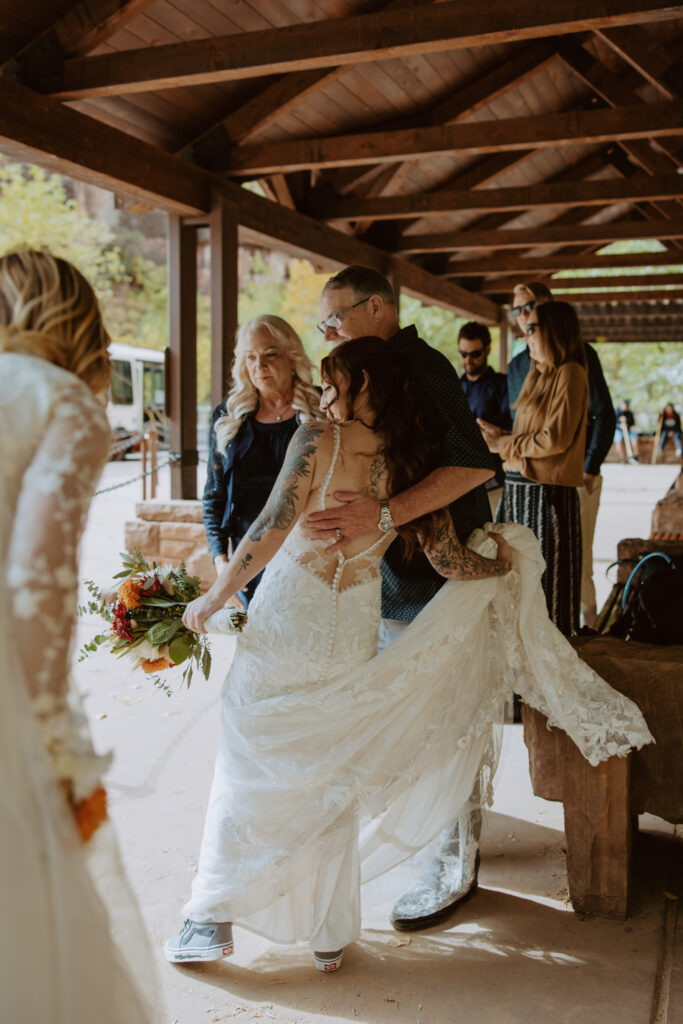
332	756
543	455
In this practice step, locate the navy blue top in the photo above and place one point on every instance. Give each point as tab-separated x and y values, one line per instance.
408	586
239	481
487	397
601	418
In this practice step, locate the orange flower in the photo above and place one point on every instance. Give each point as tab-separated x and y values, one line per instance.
158	665
129	593
90	813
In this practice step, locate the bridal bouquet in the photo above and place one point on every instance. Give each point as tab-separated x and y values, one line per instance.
145	623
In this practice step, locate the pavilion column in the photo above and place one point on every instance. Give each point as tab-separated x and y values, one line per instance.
223	226
504	328
182	362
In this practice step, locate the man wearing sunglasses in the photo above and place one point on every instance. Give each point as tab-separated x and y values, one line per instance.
360	302
599	434
486	392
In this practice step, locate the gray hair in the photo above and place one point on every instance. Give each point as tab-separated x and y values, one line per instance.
363	282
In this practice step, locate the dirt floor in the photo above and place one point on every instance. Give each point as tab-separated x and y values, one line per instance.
515	952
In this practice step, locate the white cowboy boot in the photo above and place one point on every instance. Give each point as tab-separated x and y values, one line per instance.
450	879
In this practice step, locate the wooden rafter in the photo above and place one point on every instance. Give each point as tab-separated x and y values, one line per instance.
89	24
462	104
541	132
40	128
555	234
620	298
283	94
452	25
653	281
534	267
656	63
526	197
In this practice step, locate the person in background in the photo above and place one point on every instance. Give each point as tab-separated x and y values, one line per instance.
671	427
625	428
543	455
599	434
272	392
486	392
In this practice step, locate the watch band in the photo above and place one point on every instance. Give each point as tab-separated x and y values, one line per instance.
386	521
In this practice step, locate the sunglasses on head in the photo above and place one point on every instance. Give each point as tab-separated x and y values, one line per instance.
528	307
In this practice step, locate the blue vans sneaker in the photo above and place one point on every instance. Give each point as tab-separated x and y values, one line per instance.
196	942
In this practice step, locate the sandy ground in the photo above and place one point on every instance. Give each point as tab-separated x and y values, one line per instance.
515	952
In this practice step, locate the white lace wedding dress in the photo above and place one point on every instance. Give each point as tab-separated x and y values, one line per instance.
335	762
58	961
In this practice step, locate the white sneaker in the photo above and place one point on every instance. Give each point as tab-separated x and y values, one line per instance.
196	942
329	961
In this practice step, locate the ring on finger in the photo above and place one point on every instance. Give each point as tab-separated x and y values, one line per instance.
337	533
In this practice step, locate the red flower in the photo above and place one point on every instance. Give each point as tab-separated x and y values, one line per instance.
121	622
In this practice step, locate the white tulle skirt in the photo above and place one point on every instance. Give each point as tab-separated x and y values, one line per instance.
335	764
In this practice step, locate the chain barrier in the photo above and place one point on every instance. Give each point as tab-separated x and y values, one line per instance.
173	457
125	444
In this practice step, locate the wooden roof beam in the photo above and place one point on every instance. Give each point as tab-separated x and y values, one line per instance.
38	128
540	132
452	25
531	238
495	286
662	68
88	24
533	268
622	298
527	197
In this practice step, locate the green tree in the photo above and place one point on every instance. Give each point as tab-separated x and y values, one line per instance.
37	213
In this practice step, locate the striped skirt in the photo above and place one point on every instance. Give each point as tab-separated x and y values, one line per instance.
552	512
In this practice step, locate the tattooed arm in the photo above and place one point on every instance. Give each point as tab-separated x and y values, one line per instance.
454	560
268	532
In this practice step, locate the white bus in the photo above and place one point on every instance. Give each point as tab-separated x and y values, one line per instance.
136	395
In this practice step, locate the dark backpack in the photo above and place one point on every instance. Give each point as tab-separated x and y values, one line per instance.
652	602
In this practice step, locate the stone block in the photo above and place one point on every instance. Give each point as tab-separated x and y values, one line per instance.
142	535
182	531
175	550
186	511
200	563
667	516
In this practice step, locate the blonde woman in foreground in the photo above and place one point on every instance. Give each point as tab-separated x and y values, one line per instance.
59	963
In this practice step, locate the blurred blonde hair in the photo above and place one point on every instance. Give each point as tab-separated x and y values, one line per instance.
49	310
243	397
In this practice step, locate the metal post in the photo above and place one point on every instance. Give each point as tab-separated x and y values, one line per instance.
182	311
223	226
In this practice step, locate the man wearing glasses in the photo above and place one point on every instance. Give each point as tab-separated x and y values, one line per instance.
486	392
360	302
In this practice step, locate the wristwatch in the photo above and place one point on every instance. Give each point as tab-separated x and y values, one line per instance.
386	523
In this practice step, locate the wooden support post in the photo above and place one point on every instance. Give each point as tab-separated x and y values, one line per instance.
597	822
223	225
182	311
504	328
153	460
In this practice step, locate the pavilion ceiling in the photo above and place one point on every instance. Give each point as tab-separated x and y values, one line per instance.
459	147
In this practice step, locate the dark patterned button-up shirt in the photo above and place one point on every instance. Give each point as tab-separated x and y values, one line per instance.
408	586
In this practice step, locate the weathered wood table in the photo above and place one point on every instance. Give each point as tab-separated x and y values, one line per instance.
600	804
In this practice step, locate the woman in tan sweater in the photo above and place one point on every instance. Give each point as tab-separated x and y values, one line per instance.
544	454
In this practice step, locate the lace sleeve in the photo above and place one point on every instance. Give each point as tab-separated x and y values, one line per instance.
43	550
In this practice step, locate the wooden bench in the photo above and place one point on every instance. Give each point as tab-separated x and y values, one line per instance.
601	804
